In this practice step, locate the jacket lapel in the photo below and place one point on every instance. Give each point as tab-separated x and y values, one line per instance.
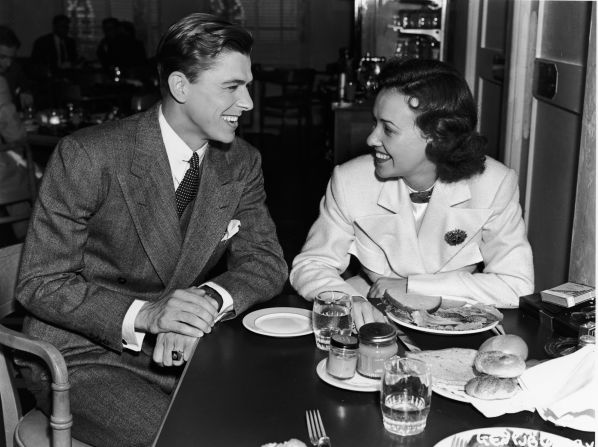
395	233
214	206
150	196
444	215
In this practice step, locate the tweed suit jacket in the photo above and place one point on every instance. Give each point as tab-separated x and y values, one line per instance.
105	231
372	219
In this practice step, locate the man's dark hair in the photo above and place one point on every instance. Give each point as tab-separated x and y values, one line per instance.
193	43
8	38
446	113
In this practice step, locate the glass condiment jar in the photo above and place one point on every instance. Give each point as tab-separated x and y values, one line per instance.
342	357
377	342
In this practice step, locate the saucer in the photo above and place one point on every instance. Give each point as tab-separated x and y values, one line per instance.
279	322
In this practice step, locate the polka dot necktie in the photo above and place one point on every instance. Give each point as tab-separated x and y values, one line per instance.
187	189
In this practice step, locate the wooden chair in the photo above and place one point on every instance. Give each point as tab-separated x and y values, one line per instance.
294	100
32	429
11	197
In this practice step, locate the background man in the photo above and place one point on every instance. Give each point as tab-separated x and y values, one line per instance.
113	252
13	175
55	50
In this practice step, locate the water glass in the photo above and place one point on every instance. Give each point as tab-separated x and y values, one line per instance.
405	395
331	315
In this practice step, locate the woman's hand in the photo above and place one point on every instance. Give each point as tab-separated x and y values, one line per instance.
363	312
396	287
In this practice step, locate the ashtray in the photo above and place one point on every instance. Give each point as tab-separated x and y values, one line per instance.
558	347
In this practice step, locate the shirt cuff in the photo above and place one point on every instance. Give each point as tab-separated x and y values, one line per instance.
227	300
131	338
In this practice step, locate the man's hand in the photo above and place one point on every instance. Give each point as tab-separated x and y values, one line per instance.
187	312
396	287
167	343
363	312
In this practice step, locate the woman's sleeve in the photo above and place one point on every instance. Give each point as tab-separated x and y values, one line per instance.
325	254
508	267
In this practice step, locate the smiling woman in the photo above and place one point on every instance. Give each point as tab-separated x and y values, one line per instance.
428	213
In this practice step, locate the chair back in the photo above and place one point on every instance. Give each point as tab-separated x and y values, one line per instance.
33	429
11	409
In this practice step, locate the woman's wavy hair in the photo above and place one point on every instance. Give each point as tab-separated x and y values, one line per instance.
445	111
193	43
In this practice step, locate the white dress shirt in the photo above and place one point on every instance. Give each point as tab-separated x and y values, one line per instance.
179	154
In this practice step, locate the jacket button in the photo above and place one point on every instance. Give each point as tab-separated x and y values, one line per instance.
121	280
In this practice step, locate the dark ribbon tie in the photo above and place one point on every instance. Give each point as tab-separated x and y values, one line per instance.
421	196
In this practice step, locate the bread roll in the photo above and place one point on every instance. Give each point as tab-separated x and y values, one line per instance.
499	364
508	343
490	387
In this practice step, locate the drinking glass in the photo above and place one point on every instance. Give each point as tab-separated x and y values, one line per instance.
405	395
331	315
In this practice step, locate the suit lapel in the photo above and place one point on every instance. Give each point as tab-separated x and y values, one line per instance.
442	216
149	193
214	206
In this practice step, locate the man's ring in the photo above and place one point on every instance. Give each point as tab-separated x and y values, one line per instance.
177	355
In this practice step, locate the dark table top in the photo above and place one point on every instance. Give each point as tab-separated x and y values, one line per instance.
246	389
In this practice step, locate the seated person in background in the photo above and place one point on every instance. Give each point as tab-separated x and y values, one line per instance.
467	241
132	48
109	50
56	50
13	175
123	265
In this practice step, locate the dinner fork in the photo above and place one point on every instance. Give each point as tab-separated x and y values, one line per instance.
458	442
315	429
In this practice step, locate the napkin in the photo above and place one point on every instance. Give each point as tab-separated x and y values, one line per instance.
563	390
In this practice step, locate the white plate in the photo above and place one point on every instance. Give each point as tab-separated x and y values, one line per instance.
439	331
355	383
279	321
519	435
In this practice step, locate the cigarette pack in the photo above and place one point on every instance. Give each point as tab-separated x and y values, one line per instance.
568	294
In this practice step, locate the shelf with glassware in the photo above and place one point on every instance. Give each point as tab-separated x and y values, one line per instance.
426	43
421	31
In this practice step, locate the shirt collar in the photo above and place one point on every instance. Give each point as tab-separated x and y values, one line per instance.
179	153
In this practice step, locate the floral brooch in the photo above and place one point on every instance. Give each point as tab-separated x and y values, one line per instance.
455	237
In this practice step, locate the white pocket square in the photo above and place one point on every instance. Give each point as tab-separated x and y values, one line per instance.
231	230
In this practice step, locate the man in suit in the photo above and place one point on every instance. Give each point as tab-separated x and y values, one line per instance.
132	216
56	50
